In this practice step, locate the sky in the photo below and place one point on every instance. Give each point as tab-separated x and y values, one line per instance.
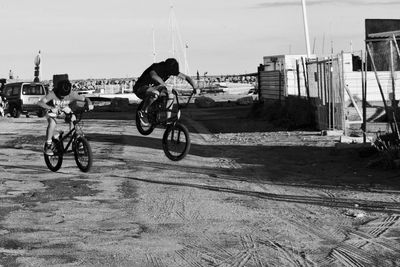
120	38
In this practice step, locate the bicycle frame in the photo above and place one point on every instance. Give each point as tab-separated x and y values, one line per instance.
169	108
72	134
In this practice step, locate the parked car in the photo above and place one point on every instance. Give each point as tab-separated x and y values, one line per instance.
22	98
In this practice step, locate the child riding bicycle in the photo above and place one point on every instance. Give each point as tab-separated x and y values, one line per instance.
152	82
57	103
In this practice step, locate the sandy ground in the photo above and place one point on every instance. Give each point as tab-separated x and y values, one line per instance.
246	195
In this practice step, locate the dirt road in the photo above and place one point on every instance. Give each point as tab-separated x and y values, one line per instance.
238	199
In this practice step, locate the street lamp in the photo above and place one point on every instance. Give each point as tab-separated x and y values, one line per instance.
37	67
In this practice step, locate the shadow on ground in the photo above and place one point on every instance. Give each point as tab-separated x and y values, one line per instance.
304	166
227	119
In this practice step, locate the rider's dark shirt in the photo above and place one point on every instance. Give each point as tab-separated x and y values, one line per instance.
162	69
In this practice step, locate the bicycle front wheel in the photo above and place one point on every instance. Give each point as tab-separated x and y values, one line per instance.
54	161
176	141
143	129
83	154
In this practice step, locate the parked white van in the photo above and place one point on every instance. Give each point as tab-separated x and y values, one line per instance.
22	97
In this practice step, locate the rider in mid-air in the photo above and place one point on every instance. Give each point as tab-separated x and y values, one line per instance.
150	84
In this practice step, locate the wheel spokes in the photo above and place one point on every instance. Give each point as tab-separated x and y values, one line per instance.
82	153
176	142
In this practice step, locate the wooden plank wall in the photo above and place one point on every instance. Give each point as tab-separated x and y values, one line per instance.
271	85
292	83
338	95
326	89
327	78
354	83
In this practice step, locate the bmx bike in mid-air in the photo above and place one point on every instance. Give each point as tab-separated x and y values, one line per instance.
176	139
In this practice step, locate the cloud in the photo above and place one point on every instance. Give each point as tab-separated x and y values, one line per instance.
275	3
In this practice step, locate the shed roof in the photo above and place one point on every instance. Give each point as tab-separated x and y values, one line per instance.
384	34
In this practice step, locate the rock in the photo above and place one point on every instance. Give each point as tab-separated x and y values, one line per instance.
397	163
355	213
205	102
244	101
338	133
119	104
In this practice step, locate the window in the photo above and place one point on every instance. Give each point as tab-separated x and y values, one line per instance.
8	91
29	89
15	90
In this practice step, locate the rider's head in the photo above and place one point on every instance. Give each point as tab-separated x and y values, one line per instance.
62	85
173	66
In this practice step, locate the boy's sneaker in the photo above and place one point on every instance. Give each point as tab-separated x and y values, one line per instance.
143	118
47	150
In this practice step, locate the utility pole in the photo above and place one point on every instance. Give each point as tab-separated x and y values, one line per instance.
306	27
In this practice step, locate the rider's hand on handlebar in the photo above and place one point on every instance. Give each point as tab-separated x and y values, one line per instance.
196	91
67	110
54	111
88	105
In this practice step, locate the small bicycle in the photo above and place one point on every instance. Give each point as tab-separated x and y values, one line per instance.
176	139
78	143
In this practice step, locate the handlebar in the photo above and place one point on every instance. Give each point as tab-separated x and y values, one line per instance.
78	113
177	99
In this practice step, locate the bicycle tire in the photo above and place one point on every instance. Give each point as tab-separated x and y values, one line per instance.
176	141
144	130
54	161
83	154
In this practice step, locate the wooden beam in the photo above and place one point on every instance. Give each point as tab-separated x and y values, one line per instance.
396	45
379	85
353	101
364	96
392	77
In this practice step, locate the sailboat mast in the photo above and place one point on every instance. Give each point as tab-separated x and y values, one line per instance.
172	29
176	36
185	57
154	47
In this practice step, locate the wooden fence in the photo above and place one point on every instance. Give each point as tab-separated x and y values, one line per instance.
321	85
271	85
325	87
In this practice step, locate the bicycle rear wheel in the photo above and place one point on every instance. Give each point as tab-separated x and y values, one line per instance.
143	129
83	154
176	141
54	161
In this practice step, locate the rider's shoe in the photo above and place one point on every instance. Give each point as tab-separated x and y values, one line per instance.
170	120
47	150
143	118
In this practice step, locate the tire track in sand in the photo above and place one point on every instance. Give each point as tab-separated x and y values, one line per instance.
351	252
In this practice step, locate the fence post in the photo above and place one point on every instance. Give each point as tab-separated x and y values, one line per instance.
298	77
364	96
259	82
305	78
